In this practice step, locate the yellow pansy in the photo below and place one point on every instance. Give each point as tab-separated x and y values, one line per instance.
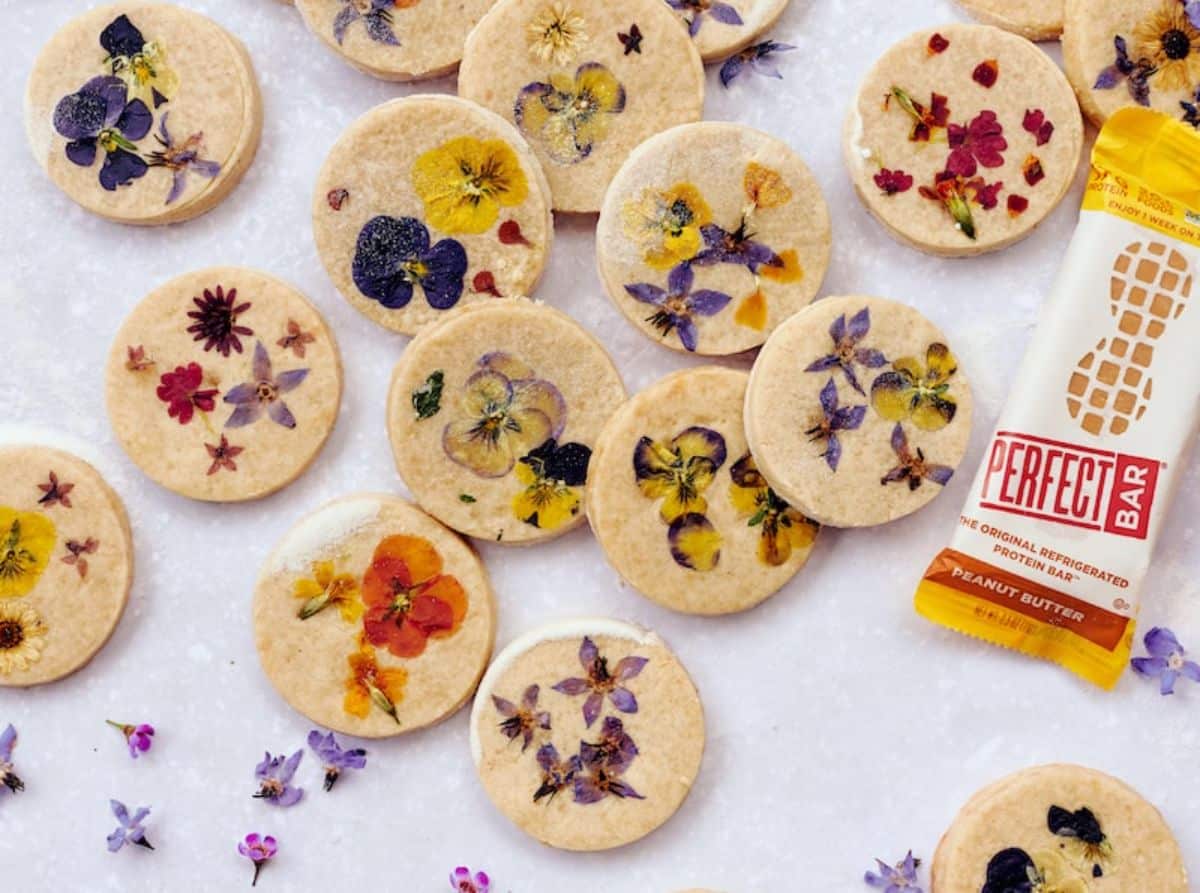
544	502
464	182
568	114
26	541
917	391
666	224
327	587
782	528
22	637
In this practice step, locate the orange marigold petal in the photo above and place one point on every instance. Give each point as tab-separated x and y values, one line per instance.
357	702
752	312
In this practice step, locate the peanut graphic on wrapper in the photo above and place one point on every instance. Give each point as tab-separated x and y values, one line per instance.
1111	385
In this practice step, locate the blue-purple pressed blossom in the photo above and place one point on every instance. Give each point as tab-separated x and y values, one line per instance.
600	683
722	246
1135	74
835	418
898	878
603	763
557	773
695	11
180	159
8	776
755	58
395	254
130	829
912	466
263	393
678	304
376	16
275	775
97	117
1167	660
568	114
523	721
846	352
334	758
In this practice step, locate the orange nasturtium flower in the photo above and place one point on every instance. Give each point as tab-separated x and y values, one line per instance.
408	597
369	684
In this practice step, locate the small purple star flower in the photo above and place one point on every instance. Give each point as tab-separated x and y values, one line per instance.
697	9
600	683
138	738
678	304
462	881
8	778
259	850
524	721
722	246
846	351
275	779
376	19
263	393
756	58
836	418
334	757
557	773
180	158
1166	661
603	763
900	878
130	830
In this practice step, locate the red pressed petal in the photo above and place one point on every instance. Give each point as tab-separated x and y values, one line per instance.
939	109
937	44
1017	204
406	639
376	627
986	73
1033	171
378	588
430	615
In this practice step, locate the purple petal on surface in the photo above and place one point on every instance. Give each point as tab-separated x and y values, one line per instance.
344	19
113	92
833	452
263	769
119	810
592	707
530	698
120	168
242	394
289	797
588	652
628	667
281	415
135	121
178	184
849	417
379	29
623	700
289	768
244	415
139	817
1167	681
939	474
82	151
837	329
1191	670
899	439
860	324
586	790
573	686
79	115
757	254
1108	78
443	284
766	69
8	739
827	362
829	398
731	68
1149	666
547	757
204	168
687	331
848	371
679	280
870	357
646	293
707	302
116	840
1161	642
625	790
725	14
290	379
261	365
694	24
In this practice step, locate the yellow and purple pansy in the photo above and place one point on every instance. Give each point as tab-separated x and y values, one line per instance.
677	305
567	115
916	391
666	224
782	528
551	477
393	255
678	472
140	63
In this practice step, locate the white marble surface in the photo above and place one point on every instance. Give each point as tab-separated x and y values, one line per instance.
841	726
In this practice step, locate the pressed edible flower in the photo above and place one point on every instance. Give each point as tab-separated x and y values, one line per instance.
1191	110
275	779
568	114
1047	871
370	683
1085	843
509	233
55	492
1016	204
956	194
892	182
136	359
138	738
223	455
557	773
258	849
912	390
898	878
937	44
376	16
556	34
8	777
1167	660
600	683
466	181
393	255
631	40
327	588
97	117
722	246
986	73
296	340
180	158
834	418
756	58
551	475
334	758
666	224
925	119
846	353
26	542
216	320
408	598
1036	123
462	881
765	187
22	637
130	829
678	472
602	764
694	542
263	393
982	141
678	305
1135	74
694	12
523	721
1169	41
912	466
427	399
782	529
1032	170
141	64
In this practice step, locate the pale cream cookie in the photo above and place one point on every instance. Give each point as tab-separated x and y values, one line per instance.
587	734
585	81
1063	828
1133	52
962	139
857	411
711	234
679	504
427	203
373	619
722	27
66	563
223	384
1034	19
493	415
144	113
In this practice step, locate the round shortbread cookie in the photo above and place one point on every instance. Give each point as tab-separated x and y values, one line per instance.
722	27
143	113
962	139
398	40
679	506
583	84
427	203
373	619
857	411
1034	19
1139	52
66	563
587	734
223	384
493	415
1073	829
707	256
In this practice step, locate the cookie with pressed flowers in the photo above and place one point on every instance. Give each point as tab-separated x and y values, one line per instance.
143	113
428	203
587	734
1059	827
493	415
373	619
962	139
1035	19
398	40
223	384
680	506
585	81
1140	52
857	411
66	563
722	27
711	234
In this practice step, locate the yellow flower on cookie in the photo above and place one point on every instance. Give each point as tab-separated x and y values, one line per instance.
680	471
26	542
140	63
551	477
556	34
765	187
464	182
1055	874
918	392
1171	43
326	588
782	528
666	224
568	114
370	684
22	637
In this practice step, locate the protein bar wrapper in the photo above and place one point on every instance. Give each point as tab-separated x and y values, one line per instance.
1059	529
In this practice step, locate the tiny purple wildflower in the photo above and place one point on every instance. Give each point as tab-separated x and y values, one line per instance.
755	58
259	850
462	881
1166	661
130	830
138	738
846	353
275	777
899	878
334	757
835	418
600	683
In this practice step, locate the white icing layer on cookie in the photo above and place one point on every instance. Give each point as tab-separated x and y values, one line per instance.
315	536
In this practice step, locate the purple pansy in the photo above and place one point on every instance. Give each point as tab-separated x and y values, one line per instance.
678	304
260	850
722	246
394	254
698	9
97	117
846	351
835	418
376	17
130	830
912	466
1135	74
600	683
1167	661
462	881
557	773
275	779
522	722
8	777
138	738
603	763
334	757
755	58
180	159
1192	11
263	392
899	878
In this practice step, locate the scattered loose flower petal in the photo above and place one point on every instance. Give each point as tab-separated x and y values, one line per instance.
1017	205
334	757
1039	125
937	44
986	73
8	777
509	233
275	779
259	850
1033	171
136	359
925	120
138	738
484	283
376	16
1167	661
462	881
600	683
694	12
336	198
130	829
756	59
899	878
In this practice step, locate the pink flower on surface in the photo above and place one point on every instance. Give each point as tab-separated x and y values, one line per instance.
462	881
